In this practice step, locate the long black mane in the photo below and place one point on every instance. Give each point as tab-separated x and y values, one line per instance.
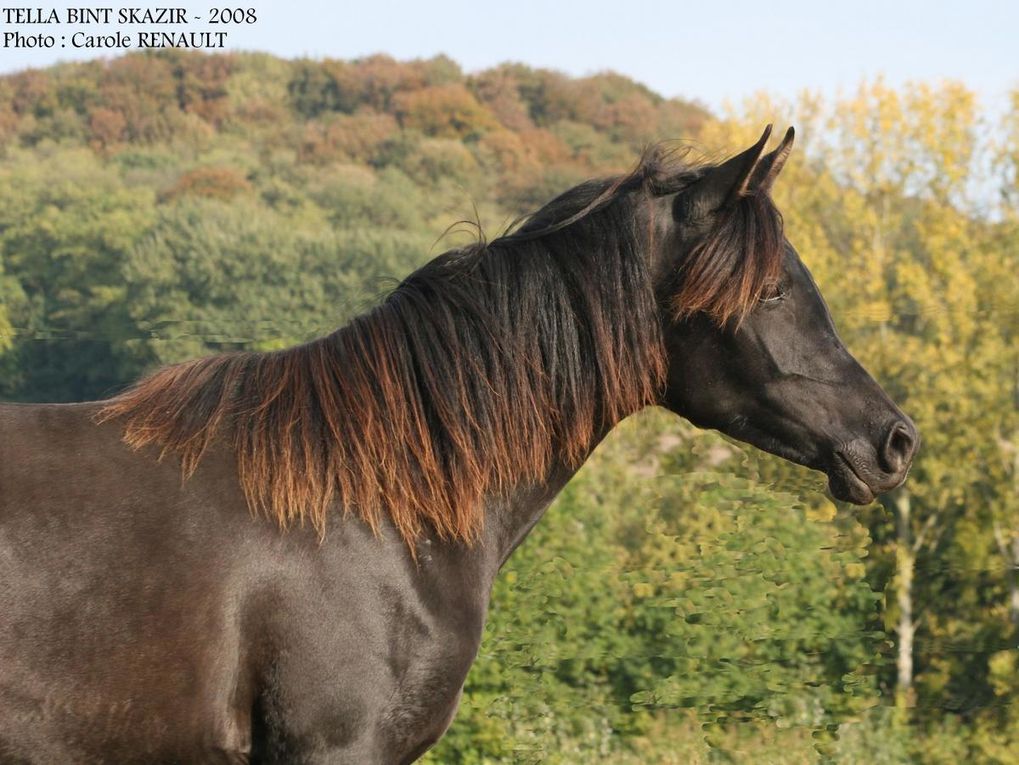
474	374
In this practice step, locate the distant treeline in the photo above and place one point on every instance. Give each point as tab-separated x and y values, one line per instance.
155	206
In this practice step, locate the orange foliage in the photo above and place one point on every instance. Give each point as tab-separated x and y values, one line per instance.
107	127
201	86
355	136
211	182
144	91
499	91
444	111
544	146
633	118
33	93
507	151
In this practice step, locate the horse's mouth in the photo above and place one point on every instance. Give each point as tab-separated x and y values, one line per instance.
845	483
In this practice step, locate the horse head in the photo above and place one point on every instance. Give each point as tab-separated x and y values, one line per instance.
751	347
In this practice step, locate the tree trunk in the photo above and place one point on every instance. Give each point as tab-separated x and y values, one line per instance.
905	562
1013	584
1008	546
1005	533
1013	559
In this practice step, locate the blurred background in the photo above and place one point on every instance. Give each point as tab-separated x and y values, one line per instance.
687	599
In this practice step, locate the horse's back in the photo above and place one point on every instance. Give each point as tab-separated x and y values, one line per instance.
116	607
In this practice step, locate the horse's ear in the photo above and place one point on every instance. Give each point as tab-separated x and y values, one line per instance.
771	164
730	180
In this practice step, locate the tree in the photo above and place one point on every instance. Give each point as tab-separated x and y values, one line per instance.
884	204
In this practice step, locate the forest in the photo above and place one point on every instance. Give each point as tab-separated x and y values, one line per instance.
687	598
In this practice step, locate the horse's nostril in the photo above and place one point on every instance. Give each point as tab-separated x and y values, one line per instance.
899	447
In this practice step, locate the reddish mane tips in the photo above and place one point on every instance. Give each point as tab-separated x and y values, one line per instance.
726	274
453	391
447	394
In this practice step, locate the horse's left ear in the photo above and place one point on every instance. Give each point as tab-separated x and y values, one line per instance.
771	165
723	185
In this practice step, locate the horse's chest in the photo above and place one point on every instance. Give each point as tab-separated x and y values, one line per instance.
426	693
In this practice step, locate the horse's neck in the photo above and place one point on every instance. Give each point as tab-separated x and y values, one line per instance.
508	520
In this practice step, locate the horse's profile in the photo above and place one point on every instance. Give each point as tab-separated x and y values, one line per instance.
315	587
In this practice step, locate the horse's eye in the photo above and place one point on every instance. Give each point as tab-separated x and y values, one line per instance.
773	294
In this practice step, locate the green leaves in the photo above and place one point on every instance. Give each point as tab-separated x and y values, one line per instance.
763	617
637	599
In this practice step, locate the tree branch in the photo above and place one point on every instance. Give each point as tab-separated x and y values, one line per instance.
927	526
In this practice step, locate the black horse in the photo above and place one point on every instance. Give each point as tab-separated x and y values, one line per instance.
146	618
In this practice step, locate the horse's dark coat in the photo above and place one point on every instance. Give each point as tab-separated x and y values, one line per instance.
148	619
